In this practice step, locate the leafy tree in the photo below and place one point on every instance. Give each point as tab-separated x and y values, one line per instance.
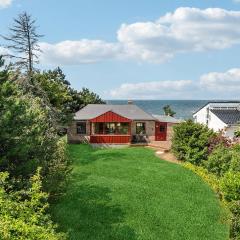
56	93
63	100
23	41
190	142
23	213
28	138
89	97
168	111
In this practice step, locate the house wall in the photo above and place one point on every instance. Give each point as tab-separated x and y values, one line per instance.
150	128
74	137
170	131
201	116
209	119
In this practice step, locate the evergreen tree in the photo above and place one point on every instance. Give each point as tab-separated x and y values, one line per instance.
23	42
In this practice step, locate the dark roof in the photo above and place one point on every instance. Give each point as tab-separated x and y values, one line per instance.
214	102
169	119
129	111
227	116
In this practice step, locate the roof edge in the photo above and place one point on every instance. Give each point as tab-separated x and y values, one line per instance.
218	117
214	102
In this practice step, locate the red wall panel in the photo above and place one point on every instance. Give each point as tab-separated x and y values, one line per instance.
110	139
110	117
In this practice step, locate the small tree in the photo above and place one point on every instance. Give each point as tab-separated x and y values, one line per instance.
23	42
190	142
168	111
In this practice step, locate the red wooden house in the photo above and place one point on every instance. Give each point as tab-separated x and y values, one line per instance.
118	124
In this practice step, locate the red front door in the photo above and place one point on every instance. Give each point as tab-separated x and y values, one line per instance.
160	131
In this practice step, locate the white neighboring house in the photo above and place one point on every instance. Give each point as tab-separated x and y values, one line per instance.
220	116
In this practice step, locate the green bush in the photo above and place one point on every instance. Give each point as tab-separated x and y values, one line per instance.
57	169
230	186
234	207
237	133
190	142
23	213
219	161
222	159
235	161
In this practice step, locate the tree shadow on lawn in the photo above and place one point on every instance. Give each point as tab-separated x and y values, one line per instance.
86	212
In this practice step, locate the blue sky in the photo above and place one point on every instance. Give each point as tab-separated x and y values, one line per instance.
134	49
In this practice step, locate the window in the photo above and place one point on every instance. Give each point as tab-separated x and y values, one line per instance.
140	128
81	128
122	128
111	128
162	128
98	128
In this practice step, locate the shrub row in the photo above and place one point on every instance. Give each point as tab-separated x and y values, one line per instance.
23	213
216	160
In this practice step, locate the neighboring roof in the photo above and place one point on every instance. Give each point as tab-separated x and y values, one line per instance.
129	111
169	119
229	117
219	104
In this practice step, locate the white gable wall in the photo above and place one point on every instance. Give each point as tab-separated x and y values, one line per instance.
201	116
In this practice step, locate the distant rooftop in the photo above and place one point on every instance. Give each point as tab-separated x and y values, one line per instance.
169	119
231	105
129	111
229	117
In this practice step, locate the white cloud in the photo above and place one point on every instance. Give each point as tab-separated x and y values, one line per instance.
78	52
181	31
153	90
228	81
185	30
213	85
5	3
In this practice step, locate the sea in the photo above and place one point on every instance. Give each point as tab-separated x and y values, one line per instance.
184	108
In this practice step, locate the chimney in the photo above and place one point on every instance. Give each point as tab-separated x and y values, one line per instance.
130	102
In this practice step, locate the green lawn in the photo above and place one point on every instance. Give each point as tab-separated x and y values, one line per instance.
129	194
